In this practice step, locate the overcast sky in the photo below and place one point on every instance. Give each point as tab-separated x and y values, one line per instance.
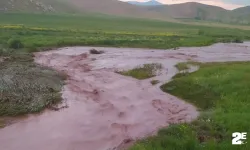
228	4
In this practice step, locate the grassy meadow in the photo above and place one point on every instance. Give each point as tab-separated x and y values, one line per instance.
221	92
39	31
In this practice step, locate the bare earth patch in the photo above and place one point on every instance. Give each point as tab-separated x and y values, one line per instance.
107	110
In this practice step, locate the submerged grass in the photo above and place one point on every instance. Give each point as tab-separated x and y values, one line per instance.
182	66
186	65
143	72
26	87
221	90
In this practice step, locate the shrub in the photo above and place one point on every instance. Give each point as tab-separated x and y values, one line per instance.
15	43
238	40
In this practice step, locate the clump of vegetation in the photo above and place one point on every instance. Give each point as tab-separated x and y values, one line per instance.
231	40
26	87
225	40
218	90
154	82
15	43
143	72
94	51
2	124
238	40
186	65
182	66
31	49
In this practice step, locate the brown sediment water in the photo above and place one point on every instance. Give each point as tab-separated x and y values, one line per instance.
107	110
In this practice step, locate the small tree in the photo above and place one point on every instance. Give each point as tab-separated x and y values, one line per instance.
15	43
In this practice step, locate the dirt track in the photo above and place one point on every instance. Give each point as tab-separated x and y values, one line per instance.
107	110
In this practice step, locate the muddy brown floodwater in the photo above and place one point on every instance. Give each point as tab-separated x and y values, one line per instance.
106	110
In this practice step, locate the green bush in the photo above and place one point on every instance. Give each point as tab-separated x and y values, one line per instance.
15	43
238	40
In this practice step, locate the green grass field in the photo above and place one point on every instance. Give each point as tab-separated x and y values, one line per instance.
221	92
36	31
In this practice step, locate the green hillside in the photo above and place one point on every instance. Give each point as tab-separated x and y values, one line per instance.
186	11
110	7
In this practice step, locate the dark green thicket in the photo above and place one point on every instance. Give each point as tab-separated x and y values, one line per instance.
15	44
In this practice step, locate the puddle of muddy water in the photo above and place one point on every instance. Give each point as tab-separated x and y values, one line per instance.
106	109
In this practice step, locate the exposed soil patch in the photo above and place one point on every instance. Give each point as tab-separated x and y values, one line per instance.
105	109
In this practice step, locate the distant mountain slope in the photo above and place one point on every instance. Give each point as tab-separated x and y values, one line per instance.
148	3
242	15
243	11
190	10
197	11
36	6
111	7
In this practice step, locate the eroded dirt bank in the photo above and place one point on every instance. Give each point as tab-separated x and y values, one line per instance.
105	109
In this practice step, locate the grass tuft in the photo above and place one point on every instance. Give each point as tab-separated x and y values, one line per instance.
143	72
15	43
